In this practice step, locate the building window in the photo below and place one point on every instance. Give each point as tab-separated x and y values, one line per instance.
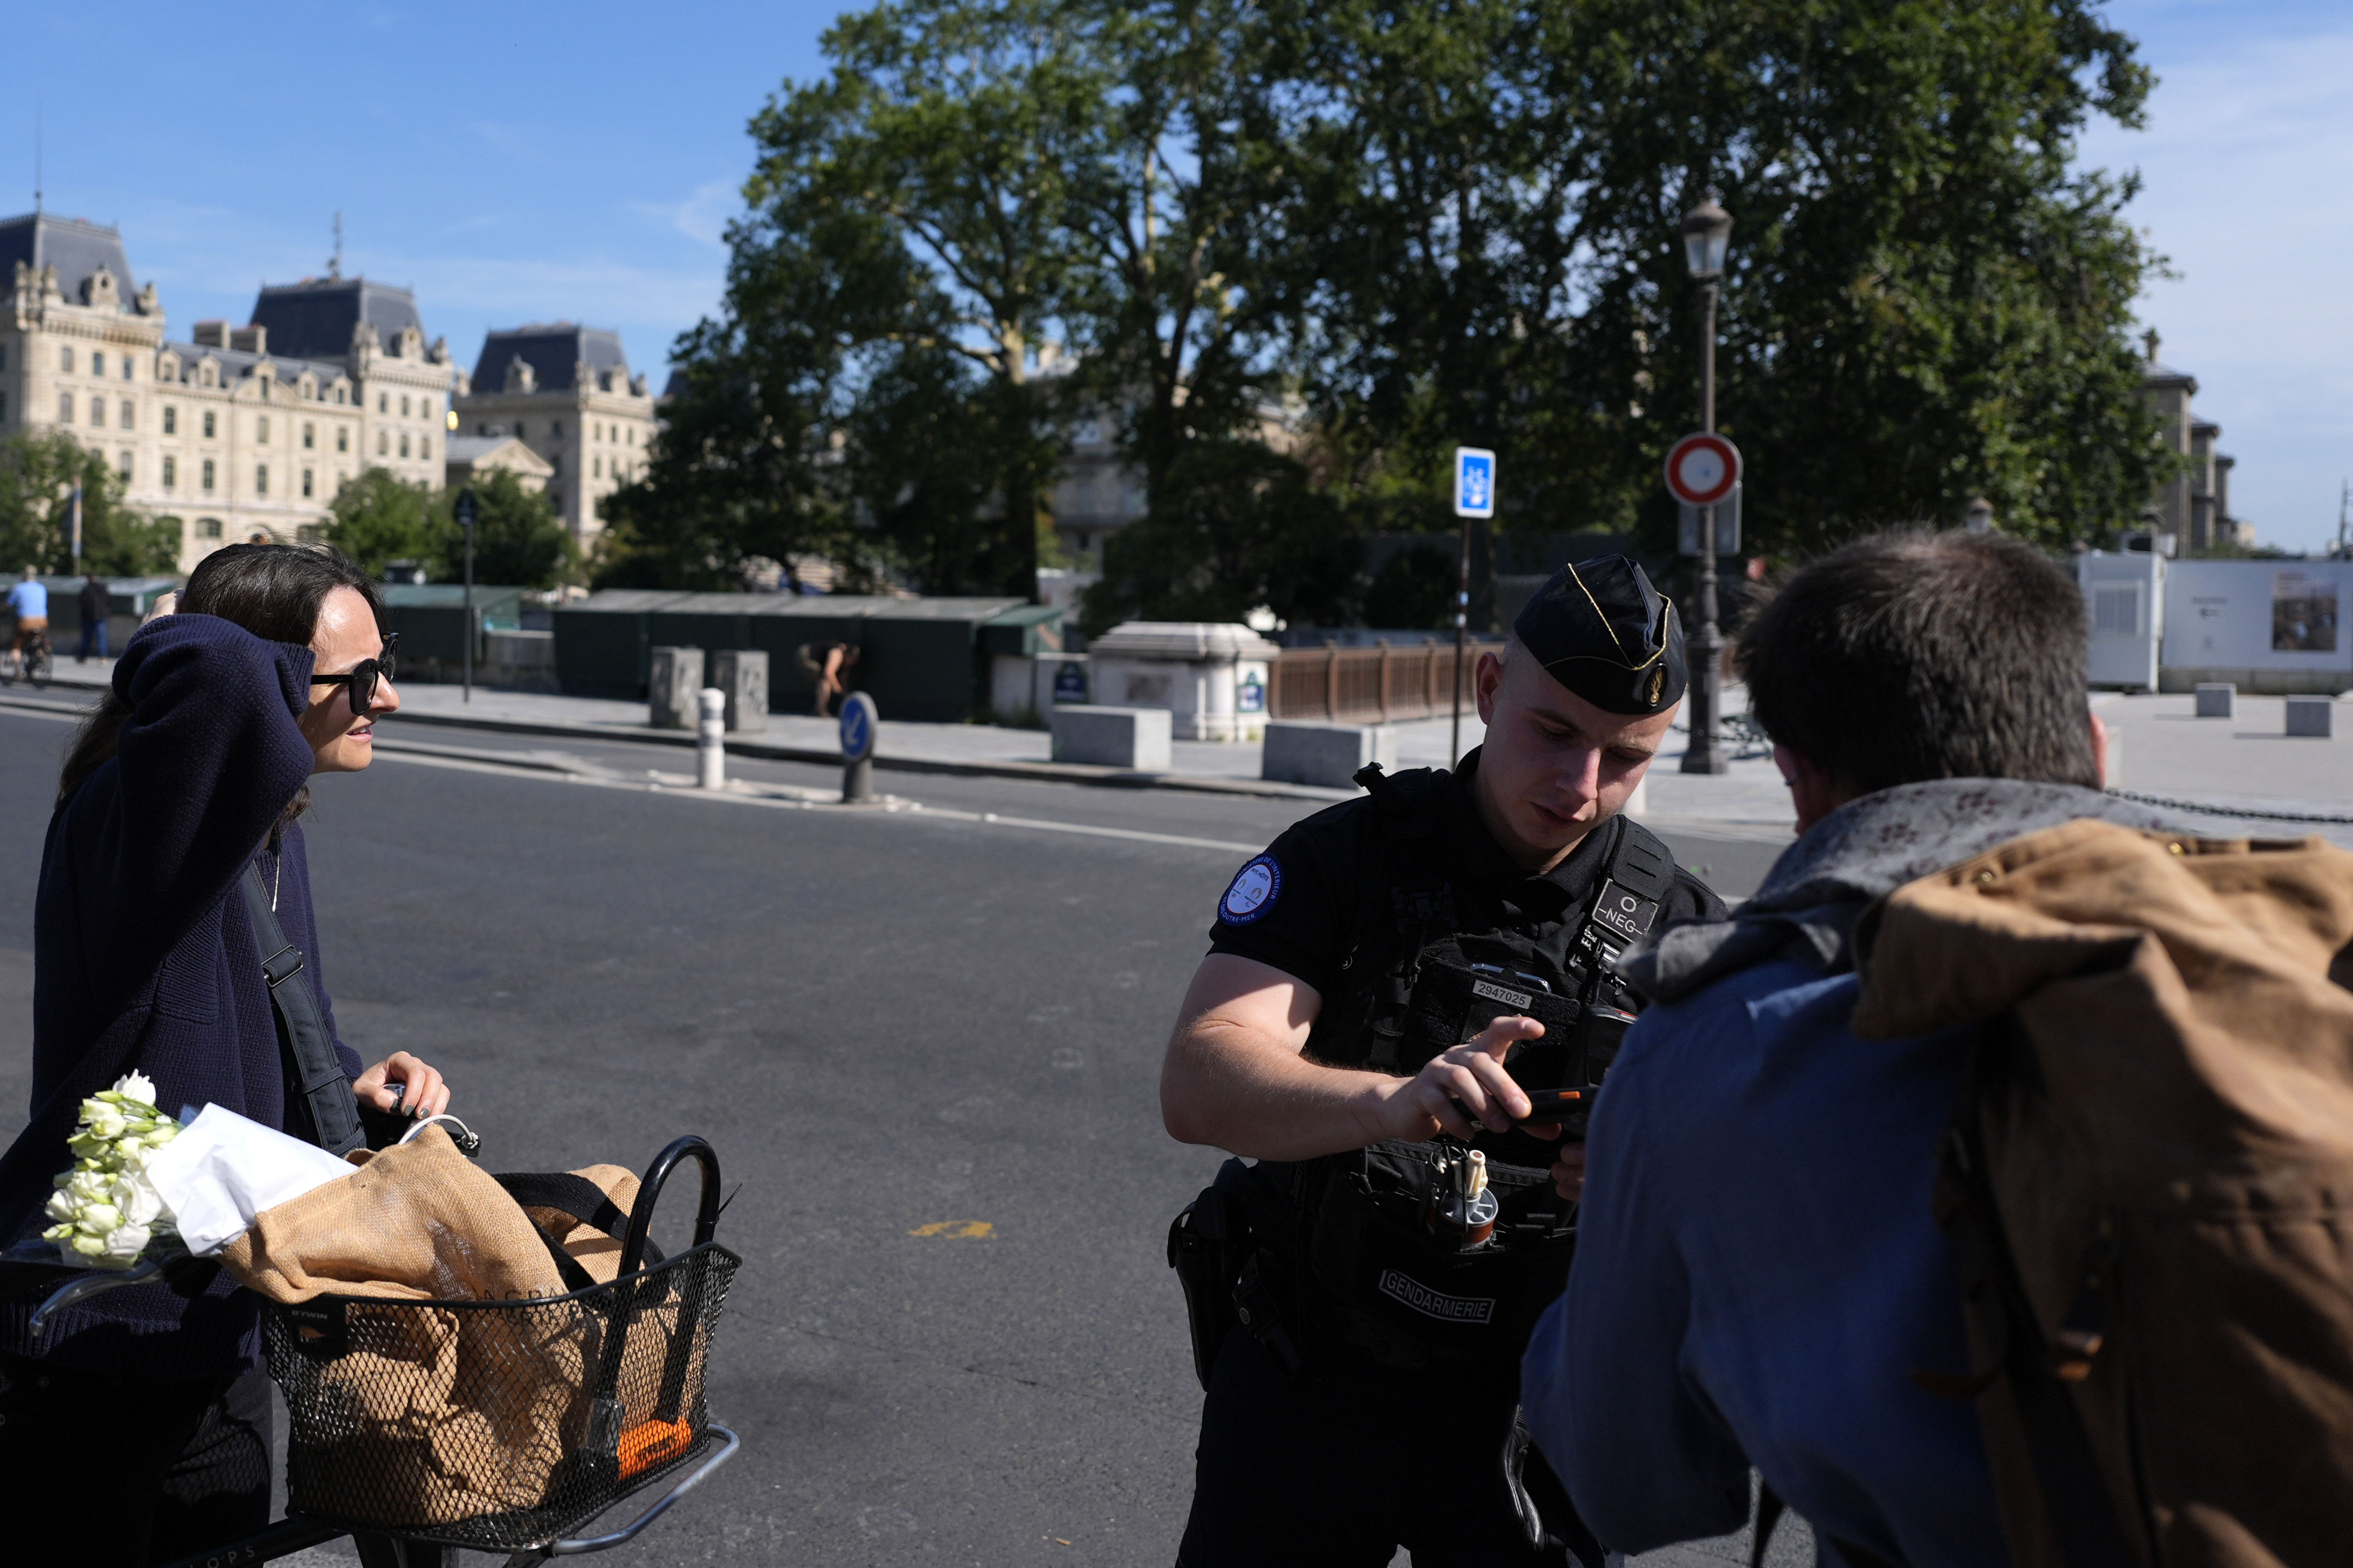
522	430
633	434
339	394
265	387
97	362
555	430
65	407
209	485
262	478
310	435
482	427
170	472
126	367
382	444
404	406
343	439
129	418
424	446
122	466
205	376
261	428
404	442
171	419
383	403
4	356
4	408
65	360
597	468
208	527
306	483
208	424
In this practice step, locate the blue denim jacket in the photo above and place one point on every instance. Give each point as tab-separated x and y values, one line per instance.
1757	1273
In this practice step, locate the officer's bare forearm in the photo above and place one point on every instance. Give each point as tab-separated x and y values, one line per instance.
1235	1088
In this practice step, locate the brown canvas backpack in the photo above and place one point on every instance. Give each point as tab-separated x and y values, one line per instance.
2149	1176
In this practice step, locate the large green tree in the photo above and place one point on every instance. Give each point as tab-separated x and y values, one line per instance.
1926	300
377	518
38	471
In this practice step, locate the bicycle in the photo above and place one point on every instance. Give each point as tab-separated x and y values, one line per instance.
31	661
606	1459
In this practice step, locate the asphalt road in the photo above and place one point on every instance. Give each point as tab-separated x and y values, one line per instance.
926	1046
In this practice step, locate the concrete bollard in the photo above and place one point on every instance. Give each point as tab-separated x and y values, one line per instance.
710	740
2312	716
1326	754
2217	699
676	676
743	673
1136	739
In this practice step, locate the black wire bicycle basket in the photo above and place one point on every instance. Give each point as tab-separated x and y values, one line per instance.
499	1425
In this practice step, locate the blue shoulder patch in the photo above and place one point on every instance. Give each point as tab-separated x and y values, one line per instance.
1255	888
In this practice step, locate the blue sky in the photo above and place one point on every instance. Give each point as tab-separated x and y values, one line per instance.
527	163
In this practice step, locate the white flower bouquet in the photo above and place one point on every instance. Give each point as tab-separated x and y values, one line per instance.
106	1207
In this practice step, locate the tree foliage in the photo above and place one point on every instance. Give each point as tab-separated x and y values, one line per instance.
1299	250
378	519
38	470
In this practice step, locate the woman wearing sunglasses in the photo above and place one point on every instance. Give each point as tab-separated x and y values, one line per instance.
139	1426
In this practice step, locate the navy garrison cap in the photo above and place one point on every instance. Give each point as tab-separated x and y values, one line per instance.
1600	629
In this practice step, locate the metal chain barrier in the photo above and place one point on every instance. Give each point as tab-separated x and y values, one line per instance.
2248	815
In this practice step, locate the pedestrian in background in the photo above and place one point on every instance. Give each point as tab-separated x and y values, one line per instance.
1758	1271
29	601
829	664
97	603
136	1424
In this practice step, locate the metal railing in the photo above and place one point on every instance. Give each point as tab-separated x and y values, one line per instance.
1371	685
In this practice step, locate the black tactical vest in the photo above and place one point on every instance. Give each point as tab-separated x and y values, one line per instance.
1348	1252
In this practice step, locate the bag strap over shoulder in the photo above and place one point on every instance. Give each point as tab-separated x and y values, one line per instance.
320	1084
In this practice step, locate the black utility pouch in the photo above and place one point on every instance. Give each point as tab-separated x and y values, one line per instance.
1452	1003
1207	1243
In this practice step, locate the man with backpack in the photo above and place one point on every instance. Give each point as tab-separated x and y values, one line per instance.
1761	1279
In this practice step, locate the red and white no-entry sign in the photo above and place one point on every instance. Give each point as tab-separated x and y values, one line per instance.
1703	469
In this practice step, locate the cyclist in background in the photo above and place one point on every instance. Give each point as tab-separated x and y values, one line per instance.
31	601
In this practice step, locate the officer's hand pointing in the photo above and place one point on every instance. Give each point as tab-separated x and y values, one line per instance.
1466	1083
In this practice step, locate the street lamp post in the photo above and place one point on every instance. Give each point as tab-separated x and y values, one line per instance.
1707	231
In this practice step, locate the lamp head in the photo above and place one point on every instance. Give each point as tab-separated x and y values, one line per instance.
1707	234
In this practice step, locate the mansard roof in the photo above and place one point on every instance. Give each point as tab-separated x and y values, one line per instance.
75	247
314	319
238	364
551	349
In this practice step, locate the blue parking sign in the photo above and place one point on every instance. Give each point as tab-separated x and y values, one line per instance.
1474	483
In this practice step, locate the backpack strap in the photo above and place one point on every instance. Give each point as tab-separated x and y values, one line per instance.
321	1087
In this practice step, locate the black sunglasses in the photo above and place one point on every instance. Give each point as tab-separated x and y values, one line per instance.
362	677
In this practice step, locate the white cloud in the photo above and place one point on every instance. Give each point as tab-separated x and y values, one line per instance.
2245	160
703	216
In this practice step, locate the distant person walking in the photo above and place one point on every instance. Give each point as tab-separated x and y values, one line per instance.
830	663
97	603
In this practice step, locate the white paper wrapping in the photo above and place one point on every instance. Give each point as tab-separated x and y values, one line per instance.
224	1169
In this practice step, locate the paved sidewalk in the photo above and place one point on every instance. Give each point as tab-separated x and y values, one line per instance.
2246	764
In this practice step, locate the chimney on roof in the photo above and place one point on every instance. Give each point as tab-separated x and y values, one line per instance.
250	339
211	335
2149	337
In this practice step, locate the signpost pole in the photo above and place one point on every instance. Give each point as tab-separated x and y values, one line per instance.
465	512
1474	497
1704	755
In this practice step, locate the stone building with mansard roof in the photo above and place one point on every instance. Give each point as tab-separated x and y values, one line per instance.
238	432
566	392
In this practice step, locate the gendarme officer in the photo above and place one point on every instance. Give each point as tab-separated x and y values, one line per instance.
1392	992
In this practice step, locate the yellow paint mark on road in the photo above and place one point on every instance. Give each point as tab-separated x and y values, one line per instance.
954	1229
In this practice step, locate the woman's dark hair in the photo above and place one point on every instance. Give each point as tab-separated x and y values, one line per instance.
1912	654
273	591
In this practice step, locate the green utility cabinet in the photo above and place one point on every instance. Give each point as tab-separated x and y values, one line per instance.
430	618
603	644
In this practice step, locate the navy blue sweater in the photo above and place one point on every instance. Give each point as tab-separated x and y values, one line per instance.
144	957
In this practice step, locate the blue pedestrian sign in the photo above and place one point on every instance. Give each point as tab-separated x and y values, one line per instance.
858	724
1474	483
